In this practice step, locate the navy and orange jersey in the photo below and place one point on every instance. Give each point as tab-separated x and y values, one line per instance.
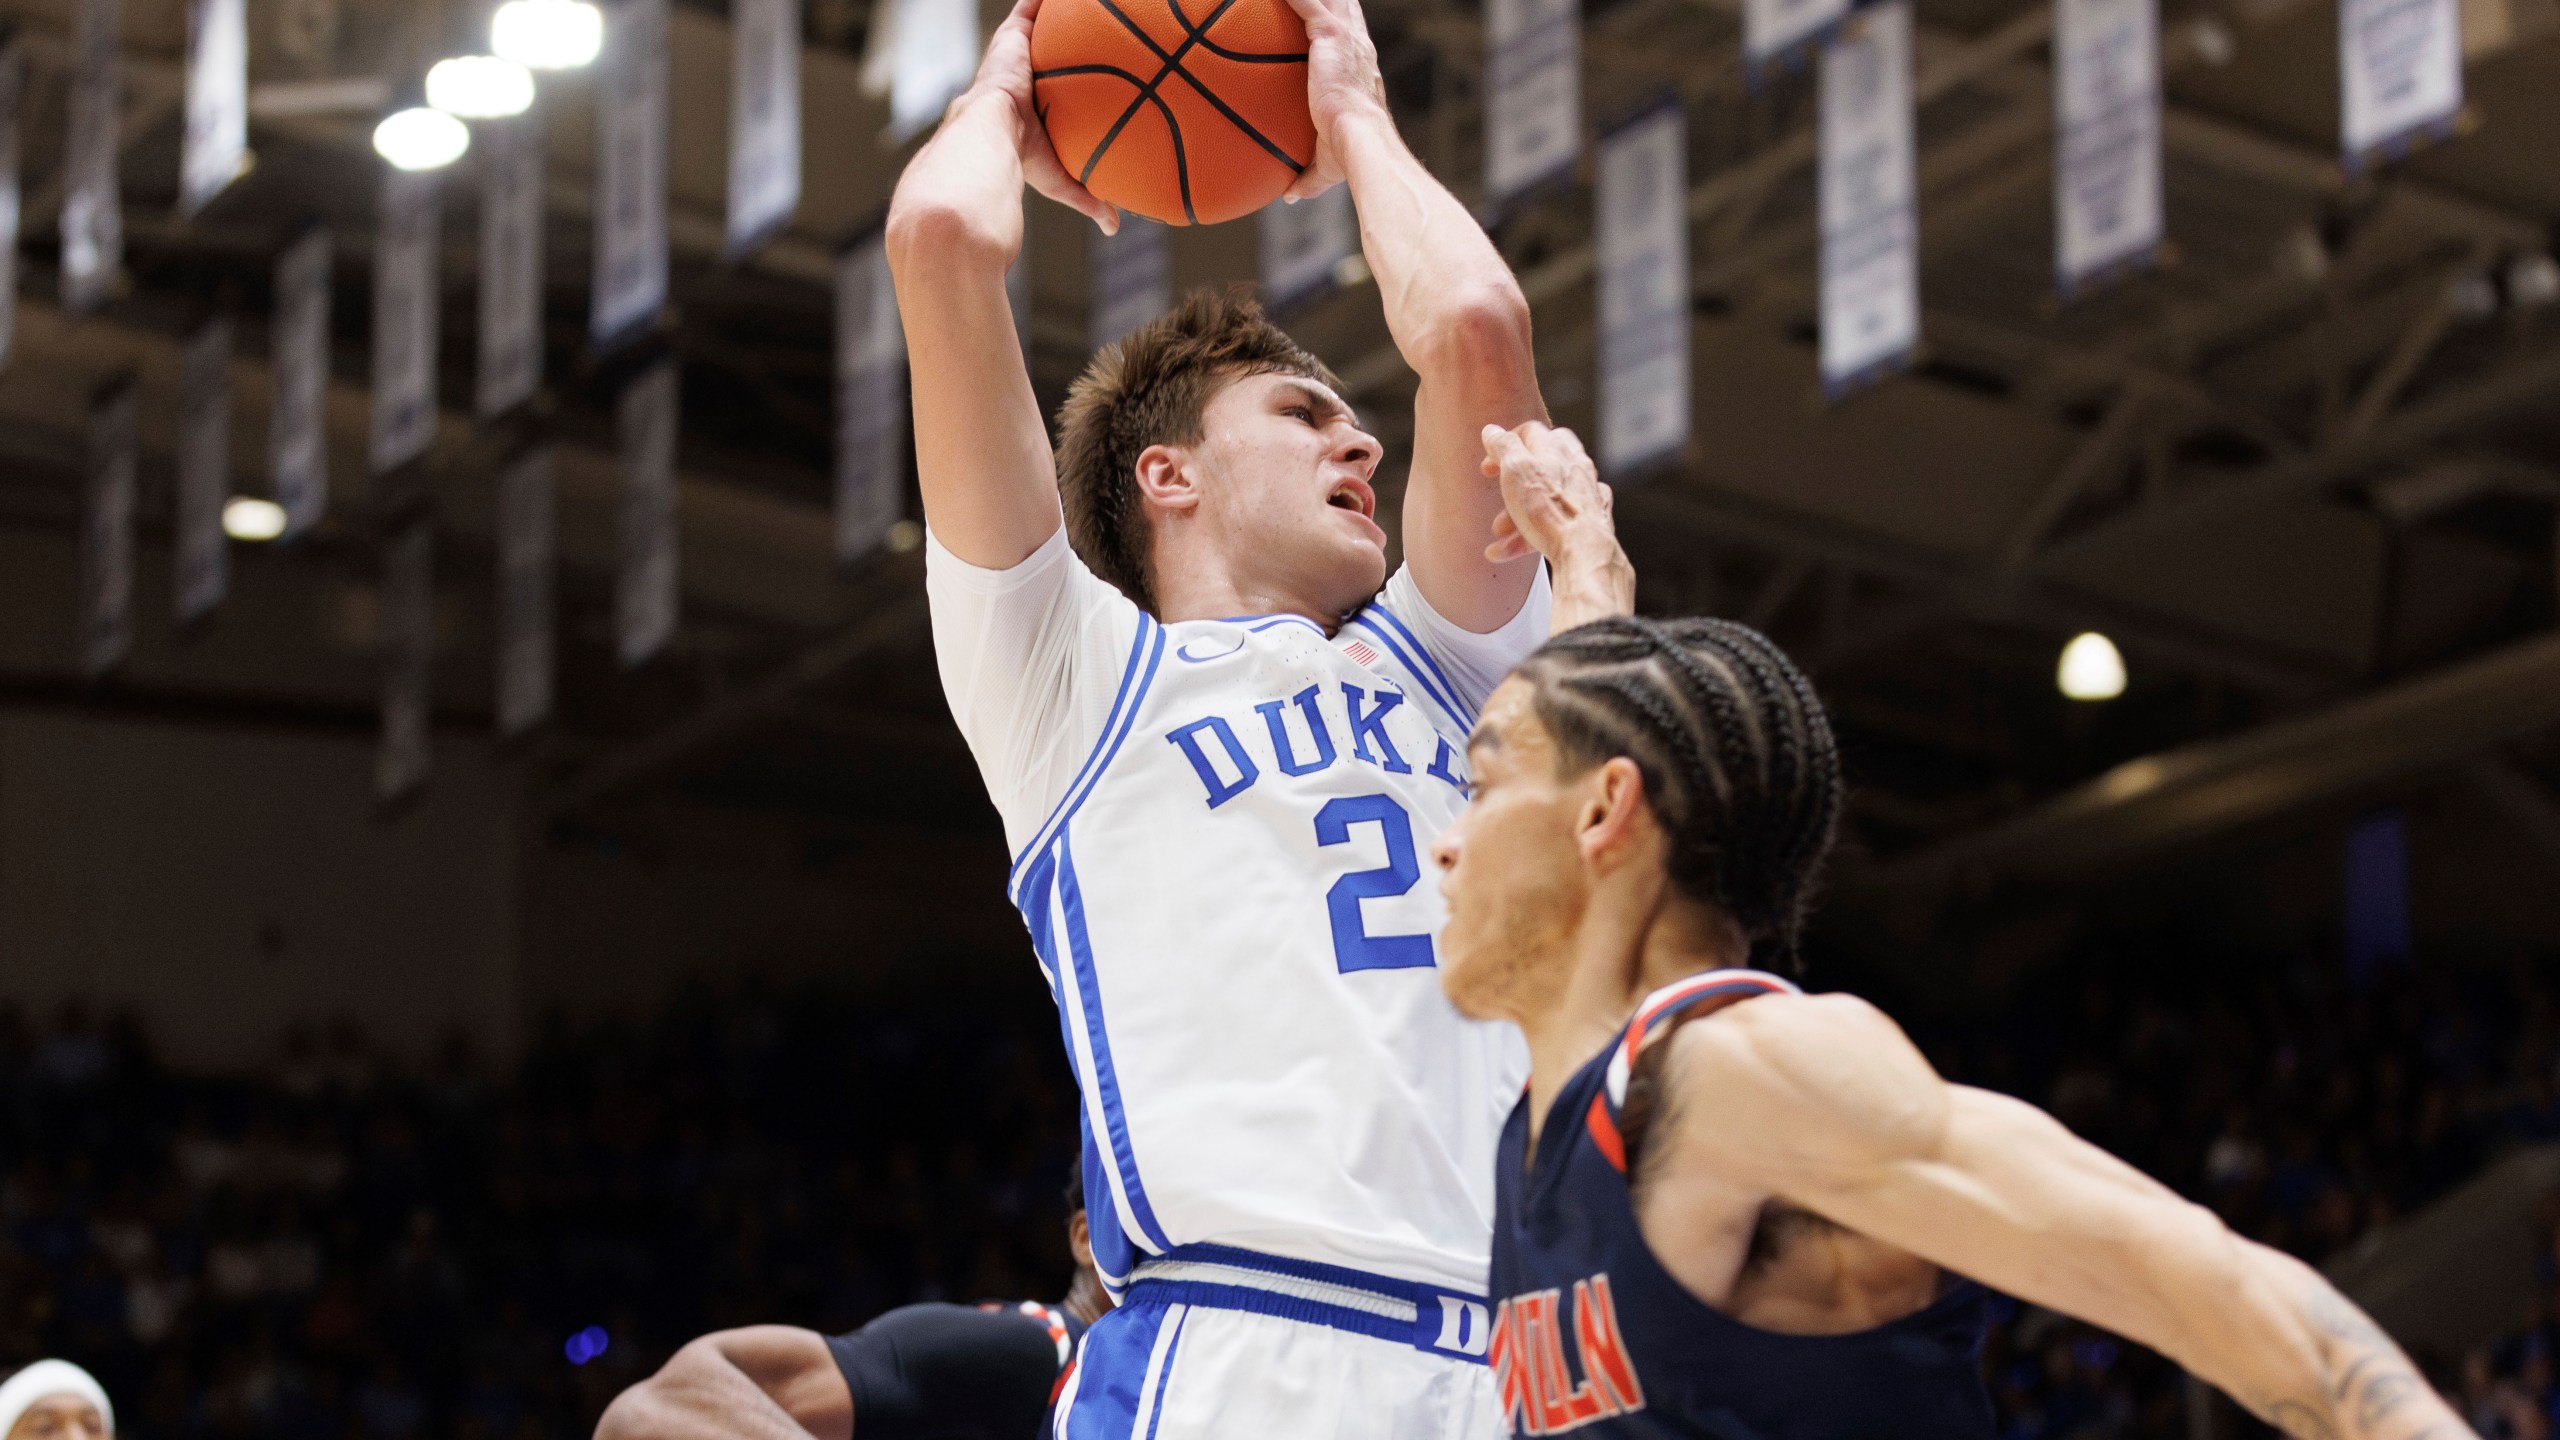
1593	1338
958	1372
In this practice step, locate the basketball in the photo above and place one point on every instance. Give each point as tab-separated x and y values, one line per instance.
1182	120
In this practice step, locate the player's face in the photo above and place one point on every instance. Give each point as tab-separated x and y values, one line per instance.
1510	866
1288	499
60	1417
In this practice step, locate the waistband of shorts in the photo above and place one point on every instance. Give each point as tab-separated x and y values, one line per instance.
1449	1323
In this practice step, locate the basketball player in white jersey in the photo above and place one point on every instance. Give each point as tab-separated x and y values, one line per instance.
1221	737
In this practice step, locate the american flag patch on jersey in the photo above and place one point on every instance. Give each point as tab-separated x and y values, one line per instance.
1359	650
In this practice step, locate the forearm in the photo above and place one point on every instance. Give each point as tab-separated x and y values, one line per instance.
2326	1371
1592	580
1440	279
698	1396
963	189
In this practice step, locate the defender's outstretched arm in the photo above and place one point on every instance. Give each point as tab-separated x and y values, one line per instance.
764	1382
1455	311
955	226
1824	1102
1555	505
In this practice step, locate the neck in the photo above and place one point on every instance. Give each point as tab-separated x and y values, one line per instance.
1085	1298
1198	582
1621	953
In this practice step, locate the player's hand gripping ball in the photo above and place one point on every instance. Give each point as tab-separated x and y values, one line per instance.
1184	111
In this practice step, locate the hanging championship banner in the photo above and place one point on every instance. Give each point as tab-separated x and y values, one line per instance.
407	632
764	120
13	91
527	524
106	531
1302	244
298	352
871	405
644	597
2106	95
1643	249
202	553
1533	93
1773	28
929	50
510	265
1870	253
631	172
217	134
404	320
2399	73
92	220
1131	279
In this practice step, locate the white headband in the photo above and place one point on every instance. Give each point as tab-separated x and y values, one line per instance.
47	1378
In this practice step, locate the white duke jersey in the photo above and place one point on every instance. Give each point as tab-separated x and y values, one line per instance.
1221	832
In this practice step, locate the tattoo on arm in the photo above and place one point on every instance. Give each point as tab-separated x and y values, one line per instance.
2368	1383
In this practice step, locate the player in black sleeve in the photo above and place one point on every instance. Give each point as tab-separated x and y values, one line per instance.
922	1372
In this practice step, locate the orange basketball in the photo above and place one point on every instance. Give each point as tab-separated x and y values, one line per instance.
1184	111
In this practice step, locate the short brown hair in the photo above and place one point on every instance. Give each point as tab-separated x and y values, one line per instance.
1149	388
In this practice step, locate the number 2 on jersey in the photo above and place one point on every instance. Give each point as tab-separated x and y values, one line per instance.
1354	948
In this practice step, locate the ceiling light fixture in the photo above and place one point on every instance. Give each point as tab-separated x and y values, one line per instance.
2091	669
547	34
247	517
480	87
419	138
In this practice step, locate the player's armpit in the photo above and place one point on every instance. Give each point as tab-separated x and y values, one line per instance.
1836	1112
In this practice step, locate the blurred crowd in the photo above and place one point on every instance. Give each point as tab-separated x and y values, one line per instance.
339	1246
2307	1112
343	1247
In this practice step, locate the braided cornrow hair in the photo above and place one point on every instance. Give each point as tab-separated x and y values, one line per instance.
1738	760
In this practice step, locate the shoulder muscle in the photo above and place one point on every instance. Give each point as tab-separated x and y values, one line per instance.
1786	1085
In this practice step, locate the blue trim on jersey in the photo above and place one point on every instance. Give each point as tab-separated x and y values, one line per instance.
1422	1332
1164	1372
1427	659
1106	1078
1268	621
1093	758
1421	677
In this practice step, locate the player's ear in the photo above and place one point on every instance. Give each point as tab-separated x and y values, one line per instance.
1165	479
1612	825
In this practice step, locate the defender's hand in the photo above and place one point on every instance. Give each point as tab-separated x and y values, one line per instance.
1006	71
1342	80
1552	496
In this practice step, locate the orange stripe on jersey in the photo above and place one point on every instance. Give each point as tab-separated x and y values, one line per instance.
1604	1133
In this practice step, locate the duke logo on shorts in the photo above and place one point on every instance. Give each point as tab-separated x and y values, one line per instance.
1220	831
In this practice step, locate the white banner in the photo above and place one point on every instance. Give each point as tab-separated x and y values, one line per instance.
407	632
764	120
1771	28
1532	92
92	214
1131	279
644	597
527	524
1870	253
871	408
106	531
404	319
201	552
1303	244
298	352
631	171
2106	95
920	53
510	264
217	134
2399	73
1643	249
13	94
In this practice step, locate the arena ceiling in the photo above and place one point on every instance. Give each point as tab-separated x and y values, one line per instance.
2305	473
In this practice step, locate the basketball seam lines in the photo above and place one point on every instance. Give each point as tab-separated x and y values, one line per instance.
1192	35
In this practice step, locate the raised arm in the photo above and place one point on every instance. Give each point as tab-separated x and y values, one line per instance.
765	1382
1555	505
1825	1103
955	226
1455	311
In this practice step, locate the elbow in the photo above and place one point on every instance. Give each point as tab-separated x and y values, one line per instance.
931	230
1482	328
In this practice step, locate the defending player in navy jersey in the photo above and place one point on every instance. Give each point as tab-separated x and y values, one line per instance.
920	1372
1220	732
1728	1208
